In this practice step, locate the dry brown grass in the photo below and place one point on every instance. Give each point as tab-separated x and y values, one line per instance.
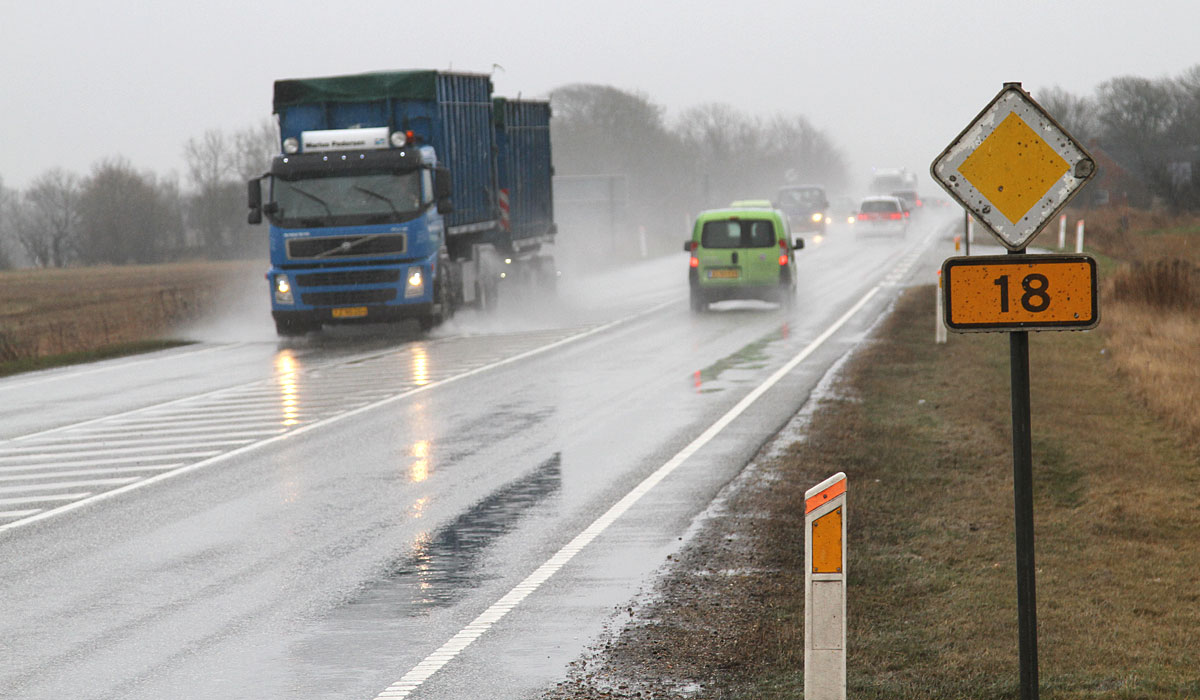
1158	354
52	312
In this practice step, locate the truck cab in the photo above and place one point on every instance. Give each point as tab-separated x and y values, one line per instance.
357	234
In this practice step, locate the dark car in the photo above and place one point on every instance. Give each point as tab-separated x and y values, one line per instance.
806	206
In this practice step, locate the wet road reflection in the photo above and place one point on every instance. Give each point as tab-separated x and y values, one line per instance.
445	563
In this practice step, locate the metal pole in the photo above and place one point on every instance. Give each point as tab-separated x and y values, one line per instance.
967	230
1023	512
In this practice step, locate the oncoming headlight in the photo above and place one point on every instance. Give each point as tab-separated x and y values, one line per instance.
283	290
415	285
817	217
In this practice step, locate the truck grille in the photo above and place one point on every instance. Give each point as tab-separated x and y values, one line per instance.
351	298
333	279
346	246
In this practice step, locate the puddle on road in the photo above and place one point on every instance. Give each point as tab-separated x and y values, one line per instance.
444	566
740	367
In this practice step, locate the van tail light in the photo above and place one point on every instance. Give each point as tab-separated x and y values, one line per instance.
783	260
694	262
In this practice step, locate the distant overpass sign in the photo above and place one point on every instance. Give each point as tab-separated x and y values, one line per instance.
1014	167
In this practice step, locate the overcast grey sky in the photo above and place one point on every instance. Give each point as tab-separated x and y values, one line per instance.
890	82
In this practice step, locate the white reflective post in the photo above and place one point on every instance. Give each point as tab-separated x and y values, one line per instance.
1062	231
939	335
1079	236
825	590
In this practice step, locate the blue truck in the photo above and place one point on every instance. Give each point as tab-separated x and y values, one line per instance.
403	195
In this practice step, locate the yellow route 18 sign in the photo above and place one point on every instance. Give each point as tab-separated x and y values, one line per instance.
1014	167
1020	292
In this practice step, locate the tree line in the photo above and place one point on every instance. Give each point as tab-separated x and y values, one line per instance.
117	214
708	156
1149	128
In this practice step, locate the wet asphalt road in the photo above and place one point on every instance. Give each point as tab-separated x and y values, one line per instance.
250	518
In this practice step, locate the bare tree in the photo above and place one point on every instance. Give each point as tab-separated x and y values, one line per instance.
254	147
49	223
8	203
125	217
211	165
1076	114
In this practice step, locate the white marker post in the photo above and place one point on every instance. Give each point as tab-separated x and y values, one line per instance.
939	335
825	590
1062	231
1079	236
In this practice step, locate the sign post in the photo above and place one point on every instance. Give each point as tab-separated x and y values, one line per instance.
1016	168
825	590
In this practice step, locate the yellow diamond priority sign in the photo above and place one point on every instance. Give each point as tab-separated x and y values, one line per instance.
1013	167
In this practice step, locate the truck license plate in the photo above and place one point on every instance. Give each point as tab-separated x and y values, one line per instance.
350	312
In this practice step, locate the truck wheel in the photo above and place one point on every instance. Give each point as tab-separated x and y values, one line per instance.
442	307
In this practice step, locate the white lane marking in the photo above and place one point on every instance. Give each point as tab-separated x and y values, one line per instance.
98	462
460	641
76	373
118	431
71	451
42	499
18	513
126	442
300	430
66	484
43	473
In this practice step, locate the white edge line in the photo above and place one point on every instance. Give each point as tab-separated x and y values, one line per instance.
327	421
432	663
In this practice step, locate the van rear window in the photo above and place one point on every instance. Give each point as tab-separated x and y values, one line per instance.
879	206
738	234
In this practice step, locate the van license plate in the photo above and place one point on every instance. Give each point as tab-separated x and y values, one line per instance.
350	312
723	274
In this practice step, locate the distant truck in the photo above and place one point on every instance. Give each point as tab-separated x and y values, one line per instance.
896	182
403	195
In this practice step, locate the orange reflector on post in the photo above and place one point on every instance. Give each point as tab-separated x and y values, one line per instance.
827	542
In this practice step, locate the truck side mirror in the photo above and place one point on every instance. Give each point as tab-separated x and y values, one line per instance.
254	197
444	205
443	188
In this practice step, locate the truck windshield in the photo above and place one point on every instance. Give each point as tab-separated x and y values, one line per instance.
347	200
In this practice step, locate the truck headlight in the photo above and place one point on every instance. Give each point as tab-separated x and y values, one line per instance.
283	290
415	286
291	145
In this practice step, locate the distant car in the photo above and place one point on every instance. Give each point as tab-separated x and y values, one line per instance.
741	253
884	215
806	206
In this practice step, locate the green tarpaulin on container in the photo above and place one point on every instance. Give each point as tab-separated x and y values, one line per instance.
405	85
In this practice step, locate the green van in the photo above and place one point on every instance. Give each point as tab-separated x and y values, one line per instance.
742	253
